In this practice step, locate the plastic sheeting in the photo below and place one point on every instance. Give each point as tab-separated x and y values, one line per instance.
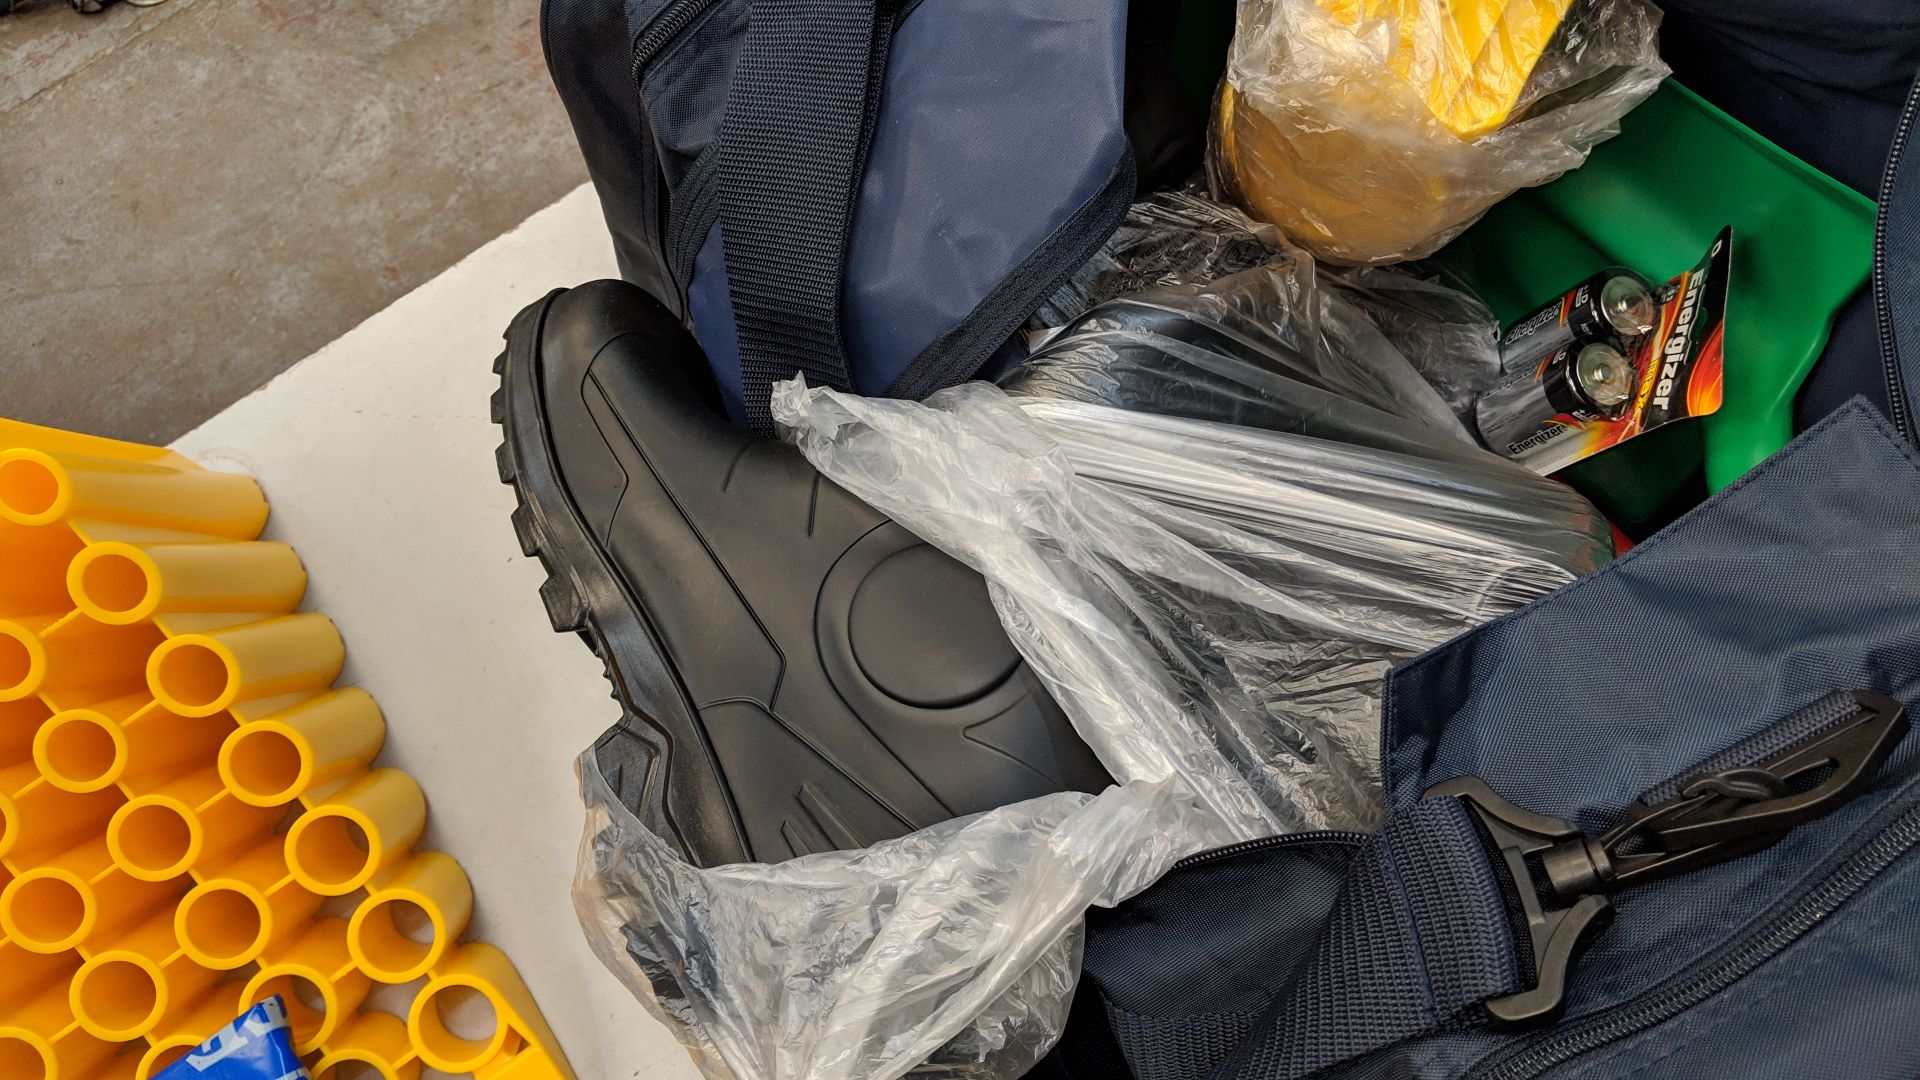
1180	238
1209	603
959	943
1168	238
1374	131
1213	604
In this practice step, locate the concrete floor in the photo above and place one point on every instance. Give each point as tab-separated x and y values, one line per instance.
194	196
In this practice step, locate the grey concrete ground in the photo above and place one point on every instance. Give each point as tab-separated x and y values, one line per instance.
195	195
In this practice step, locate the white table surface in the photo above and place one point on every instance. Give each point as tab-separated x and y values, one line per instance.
376	454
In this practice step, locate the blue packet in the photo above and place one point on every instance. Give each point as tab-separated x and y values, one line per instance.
257	1046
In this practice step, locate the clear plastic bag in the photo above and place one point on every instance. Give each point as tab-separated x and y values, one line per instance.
1213	605
1168	238
1180	239
1448	335
1211	516
1374	131
951	952
1210	603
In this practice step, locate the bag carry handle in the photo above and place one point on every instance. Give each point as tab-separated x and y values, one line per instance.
792	152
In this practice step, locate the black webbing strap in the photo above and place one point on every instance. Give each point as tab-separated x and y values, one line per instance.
791	149
1279	962
1418	940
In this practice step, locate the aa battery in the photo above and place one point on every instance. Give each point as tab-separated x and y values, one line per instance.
1613	305
1585	381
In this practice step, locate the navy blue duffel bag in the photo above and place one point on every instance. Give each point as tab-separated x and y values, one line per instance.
1663	824
875	193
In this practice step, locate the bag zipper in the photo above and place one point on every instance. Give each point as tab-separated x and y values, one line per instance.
1267	842
658	34
1883	314
1853	875
696	207
664	28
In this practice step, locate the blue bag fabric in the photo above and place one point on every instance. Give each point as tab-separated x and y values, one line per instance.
873	194
1339	955
1724	631
1802	579
1828	82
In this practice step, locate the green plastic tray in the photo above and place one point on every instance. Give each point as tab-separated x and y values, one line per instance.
1652	199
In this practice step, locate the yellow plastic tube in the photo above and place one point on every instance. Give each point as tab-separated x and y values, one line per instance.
127	991
82	750
315	976
48	910
59	440
375	1040
519	1040
369	824
272	761
186	1029
33	563
39	487
229	920
25	974
19	724
40	820
195	788
55	907
163	746
23	658
120	995
118	582
158	837
39	1041
199	674
123	1065
129	740
85	661
410	920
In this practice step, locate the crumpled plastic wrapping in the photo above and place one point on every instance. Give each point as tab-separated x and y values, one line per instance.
1167	238
1213	605
1180	238
1374	131
951	952
1448	335
1210	603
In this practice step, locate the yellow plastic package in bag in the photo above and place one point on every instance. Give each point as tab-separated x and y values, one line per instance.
1372	131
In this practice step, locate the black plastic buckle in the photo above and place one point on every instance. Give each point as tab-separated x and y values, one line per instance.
1716	816
1523	840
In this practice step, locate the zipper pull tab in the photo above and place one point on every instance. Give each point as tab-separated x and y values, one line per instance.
1724	814
1718	814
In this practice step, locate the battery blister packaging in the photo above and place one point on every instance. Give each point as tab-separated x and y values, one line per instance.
1213	603
1373	131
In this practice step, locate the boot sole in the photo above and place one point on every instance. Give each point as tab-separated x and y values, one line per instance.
583	595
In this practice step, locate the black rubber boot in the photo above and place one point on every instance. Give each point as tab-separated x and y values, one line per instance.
797	673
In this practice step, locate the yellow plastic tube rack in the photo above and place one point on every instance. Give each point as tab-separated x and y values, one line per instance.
188	804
